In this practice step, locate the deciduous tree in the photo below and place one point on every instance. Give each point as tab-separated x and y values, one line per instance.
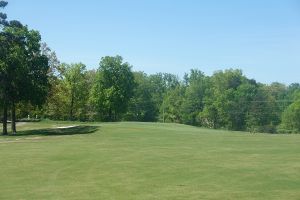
113	88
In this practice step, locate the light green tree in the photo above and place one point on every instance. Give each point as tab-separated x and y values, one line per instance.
70	93
77	90
291	116
113	88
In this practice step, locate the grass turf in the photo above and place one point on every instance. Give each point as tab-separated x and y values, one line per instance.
147	161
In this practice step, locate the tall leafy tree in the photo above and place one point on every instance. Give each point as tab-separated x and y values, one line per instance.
197	85
225	101
291	118
91	77
141	105
292	91
13	54
260	115
3	46
171	107
75	81
279	92
24	70
161	84
113	88
57	100
56	107
68	99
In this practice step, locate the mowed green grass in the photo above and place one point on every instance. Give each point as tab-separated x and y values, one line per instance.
149	161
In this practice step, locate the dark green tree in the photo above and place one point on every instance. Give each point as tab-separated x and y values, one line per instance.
3	16
260	115
221	109
24	70
141	105
3	52
193	103
160	85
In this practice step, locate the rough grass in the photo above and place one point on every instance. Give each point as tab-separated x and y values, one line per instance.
146	161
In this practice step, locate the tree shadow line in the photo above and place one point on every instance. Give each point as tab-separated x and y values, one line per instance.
76	130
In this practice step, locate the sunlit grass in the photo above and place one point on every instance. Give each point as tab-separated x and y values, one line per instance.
147	161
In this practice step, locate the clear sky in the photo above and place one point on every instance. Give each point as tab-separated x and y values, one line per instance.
261	37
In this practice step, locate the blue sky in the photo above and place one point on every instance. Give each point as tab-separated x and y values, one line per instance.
261	37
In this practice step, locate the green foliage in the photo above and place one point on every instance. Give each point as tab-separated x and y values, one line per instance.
291	117
56	106
23	68
141	106
193	102
70	94
113	88
223	101
77	91
261	111
170	109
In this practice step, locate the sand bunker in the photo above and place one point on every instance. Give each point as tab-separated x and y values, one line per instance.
65	127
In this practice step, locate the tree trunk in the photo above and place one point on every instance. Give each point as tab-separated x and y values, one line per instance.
115	116
4	117
71	107
13	119
71	110
110	118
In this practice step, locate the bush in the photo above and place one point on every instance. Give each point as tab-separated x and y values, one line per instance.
263	129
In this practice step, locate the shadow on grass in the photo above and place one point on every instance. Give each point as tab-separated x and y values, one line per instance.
77	130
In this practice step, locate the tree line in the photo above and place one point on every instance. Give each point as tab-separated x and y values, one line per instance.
34	83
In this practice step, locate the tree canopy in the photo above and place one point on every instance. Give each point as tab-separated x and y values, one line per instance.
113	88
